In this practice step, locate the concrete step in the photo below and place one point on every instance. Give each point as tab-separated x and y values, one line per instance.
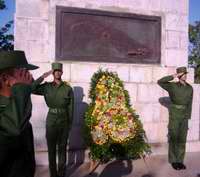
154	166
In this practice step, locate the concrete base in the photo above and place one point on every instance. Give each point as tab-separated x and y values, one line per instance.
153	166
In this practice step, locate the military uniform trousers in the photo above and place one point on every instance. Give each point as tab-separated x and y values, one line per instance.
177	133
18	157
57	131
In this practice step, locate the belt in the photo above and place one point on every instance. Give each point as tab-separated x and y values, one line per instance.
179	106
57	110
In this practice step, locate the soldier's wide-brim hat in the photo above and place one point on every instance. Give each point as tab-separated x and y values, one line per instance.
14	59
57	66
182	69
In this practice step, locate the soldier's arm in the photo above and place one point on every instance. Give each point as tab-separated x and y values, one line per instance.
71	105
165	83
36	83
189	111
37	87
17	113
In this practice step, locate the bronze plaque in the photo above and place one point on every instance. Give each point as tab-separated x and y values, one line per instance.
101	36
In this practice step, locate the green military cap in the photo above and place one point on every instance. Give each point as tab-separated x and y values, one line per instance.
182	69
14	59
57	66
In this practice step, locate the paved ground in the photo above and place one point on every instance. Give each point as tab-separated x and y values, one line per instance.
156	166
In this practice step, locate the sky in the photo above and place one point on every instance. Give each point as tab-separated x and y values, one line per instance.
194	10
8	14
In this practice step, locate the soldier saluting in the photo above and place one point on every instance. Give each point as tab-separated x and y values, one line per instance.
59	98
16	136
181	95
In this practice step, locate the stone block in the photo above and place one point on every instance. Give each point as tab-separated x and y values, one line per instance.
184	41
171	70
159	72
38	51
193	131
190	75
176	22
149	93
193	146
83	72
164	115
101	4
148	112
169	6
155	5
41	158
156	132
70	3
151	130
39	112
21	45
39	139
141	74
66	71
178	6
44	9
176	57
196	93
43	67
121	70
132	90
162	132
32	8
172	39
37	30
21	29
136	4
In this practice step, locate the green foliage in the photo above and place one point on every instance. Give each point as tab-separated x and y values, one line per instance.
2	4
6	39
194	48
131	149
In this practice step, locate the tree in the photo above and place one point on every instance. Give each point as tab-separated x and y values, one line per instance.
6	39
194	48
2	4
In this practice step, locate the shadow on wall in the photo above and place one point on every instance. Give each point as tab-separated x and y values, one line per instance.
165	101
76	152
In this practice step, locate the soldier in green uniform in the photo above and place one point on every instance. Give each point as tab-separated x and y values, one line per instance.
59	98
16	136
181	94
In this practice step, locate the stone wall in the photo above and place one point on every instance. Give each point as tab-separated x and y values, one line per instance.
35	34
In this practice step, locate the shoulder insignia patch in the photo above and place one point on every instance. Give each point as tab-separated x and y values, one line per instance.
66	83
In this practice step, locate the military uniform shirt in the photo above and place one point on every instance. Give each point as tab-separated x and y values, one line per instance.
179	94
57	96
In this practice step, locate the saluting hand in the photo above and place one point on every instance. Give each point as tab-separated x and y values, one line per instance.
177	75
21	76
46	74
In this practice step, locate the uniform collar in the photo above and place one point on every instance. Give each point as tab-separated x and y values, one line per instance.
182	85
54	84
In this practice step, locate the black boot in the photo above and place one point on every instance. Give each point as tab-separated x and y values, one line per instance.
176	166
182	166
